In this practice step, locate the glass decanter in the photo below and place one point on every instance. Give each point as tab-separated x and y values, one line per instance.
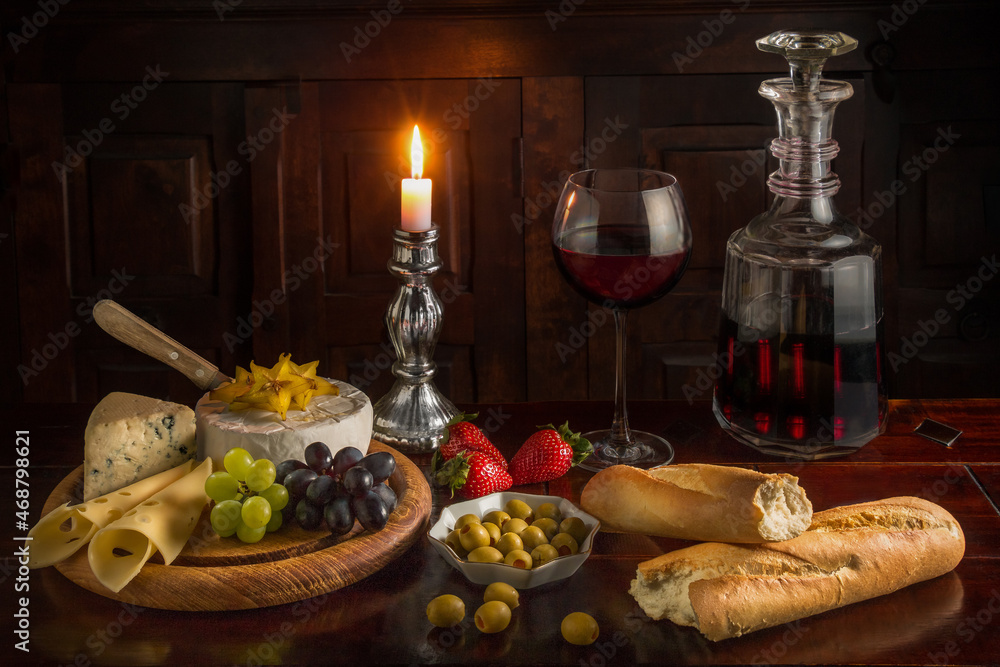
800	344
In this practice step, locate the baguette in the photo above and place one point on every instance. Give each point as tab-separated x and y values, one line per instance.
849	554
698	502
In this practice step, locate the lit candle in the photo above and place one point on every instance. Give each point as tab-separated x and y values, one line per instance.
416	211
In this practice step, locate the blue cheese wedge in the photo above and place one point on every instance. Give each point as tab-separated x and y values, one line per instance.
131	437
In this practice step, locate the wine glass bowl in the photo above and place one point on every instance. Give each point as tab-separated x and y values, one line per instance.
622	239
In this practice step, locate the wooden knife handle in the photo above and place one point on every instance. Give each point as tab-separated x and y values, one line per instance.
139	334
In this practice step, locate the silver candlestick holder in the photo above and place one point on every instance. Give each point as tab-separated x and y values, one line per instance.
412	416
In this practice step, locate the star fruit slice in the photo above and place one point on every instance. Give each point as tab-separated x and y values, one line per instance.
272	388
230	391
311	386
277	389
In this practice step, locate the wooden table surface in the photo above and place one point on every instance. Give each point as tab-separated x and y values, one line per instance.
954	619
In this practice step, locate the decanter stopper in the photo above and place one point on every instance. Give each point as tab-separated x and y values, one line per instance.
807	52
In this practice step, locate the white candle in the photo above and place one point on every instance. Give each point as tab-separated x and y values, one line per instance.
416	204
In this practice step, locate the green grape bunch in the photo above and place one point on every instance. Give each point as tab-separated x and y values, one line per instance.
248	503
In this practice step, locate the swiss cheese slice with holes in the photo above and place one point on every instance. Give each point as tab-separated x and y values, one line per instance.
163	523
61	532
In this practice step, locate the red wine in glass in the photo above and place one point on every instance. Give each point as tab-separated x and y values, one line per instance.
630	276
622	239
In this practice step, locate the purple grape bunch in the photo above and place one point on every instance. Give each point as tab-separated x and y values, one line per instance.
334	490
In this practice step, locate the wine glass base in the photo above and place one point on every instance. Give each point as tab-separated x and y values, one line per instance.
649	451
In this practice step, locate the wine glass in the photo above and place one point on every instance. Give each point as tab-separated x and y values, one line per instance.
622	239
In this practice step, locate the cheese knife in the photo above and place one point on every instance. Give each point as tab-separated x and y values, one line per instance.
135	332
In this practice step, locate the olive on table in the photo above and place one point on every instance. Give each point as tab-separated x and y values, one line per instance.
446	611
492	616
579	628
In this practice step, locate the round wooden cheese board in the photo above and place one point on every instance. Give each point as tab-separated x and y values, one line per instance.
292	564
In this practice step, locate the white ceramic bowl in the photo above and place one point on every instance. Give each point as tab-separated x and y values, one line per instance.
487	573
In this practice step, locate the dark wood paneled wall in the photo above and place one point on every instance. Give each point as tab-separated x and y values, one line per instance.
242	161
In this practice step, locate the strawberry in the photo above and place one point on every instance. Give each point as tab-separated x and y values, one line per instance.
464	436
473	474
548	454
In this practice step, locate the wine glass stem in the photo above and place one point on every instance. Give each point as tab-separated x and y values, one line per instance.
621	436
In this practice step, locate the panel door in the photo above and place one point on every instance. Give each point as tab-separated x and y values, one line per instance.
120	198
944	191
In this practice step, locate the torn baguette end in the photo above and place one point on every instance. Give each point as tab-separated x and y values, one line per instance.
784	508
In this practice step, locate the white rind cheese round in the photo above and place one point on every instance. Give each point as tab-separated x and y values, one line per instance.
339	421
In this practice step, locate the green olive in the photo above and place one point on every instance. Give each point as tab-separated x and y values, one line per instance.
532	536
497	517
575	526
515	526
565	544
542	554
508	542
473	536
548	526
485	555
466	519
493	616
494	532
505	593
446	611
518	558
455	543
579	628
548	511
518	509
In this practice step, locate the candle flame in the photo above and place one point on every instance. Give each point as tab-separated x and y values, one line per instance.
416	155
